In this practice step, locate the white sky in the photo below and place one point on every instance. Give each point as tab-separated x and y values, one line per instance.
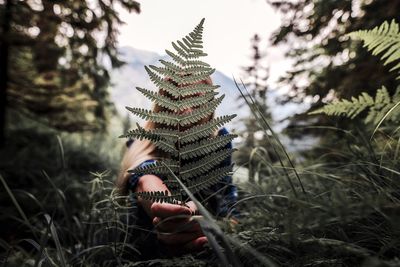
229	26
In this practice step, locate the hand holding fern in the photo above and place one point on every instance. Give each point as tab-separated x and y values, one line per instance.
174	223
176	227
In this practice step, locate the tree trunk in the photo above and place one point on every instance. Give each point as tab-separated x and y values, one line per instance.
4	54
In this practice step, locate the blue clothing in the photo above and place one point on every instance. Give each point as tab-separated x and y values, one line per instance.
224	193
219	200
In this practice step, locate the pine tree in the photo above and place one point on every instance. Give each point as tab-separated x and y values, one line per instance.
57	72
4	58
325	57
257	75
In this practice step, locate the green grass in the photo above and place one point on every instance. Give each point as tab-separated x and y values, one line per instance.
59	207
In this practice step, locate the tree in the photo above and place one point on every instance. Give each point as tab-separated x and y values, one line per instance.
58	51
257	75
327	65
4	52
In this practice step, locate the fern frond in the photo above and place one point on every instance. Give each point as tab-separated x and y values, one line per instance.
166	147
385	37
196	77
377	108
163	83
166	118
159	196
194	155
204	130
211	179
171	66
206	146
157	168
196	63
183	77
178	59
140	133
189	41
159	99
195	89
200	113
197	101
203	182
173	105
205	164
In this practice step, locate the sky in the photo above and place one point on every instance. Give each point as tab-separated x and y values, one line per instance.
229	26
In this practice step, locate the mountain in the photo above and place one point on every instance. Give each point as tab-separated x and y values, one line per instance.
125	80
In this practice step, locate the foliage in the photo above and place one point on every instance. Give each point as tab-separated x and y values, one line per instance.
57	69
48	177
385	38
326	64
192	154
380	39
378	108
347	215
256	78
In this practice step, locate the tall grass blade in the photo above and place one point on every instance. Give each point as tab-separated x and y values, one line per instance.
383	118
276	139
15	202
43	253
53	231
217	230
258	114
64	165
211	226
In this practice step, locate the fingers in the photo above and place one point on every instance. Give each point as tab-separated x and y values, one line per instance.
177	227
164	210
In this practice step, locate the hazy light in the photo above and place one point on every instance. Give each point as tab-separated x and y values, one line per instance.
229	26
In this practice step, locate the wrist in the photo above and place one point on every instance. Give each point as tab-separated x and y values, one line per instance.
148	183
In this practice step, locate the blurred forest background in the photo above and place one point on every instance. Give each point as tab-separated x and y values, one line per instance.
333	204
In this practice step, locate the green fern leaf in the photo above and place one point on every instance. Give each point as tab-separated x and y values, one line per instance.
204	130
206	146
209	180
203	182
377	108
205	164
163	83
200	113
183	131
179	60
385	37
160	100
153	135
159	196
157	168
195	89
166	118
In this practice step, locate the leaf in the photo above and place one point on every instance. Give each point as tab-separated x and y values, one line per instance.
205	164
206	146
194	154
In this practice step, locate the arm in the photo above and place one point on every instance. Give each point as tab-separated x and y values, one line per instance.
148	183
174	224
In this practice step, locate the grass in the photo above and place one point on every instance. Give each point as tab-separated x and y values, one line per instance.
59	210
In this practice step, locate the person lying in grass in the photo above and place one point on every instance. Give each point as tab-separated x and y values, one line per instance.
171	225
